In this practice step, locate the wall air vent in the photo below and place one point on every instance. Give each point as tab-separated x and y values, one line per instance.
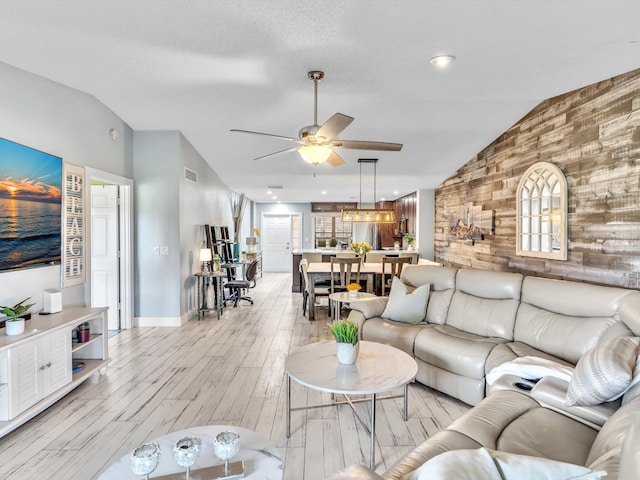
190	175
275	187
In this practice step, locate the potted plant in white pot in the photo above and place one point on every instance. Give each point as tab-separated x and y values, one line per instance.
346	333
14	324
410	239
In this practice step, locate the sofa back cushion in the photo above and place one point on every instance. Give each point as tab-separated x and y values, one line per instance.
485	303
607	448
442	281
565	318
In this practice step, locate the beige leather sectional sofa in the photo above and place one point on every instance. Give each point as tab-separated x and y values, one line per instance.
476	320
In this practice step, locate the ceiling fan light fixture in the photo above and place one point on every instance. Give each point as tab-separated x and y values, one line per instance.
442	61
315	154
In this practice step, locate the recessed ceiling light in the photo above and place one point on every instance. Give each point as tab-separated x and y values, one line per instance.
269	192
395	192
382	199
442	61
323	192
274	197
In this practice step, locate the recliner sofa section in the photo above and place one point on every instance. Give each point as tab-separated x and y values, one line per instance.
476	320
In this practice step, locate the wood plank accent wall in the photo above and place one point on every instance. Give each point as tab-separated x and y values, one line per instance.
593	136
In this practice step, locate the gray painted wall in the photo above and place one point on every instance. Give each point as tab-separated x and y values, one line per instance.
45	115
157	213
205	202
171	212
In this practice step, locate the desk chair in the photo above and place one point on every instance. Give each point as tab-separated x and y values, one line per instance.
236	286
321	288
395	267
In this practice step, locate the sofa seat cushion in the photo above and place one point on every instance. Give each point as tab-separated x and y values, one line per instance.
542	432
453	350
508	352
397	334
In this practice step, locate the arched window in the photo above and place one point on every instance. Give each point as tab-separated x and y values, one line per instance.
542	212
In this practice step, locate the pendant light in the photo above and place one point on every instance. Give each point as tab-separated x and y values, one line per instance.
368	215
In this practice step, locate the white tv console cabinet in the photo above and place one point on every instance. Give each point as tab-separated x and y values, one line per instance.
36	366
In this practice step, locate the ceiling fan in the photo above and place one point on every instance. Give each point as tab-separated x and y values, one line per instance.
318	141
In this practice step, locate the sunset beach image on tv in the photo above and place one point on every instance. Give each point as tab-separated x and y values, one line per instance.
30	206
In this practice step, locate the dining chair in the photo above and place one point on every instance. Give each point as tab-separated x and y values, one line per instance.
395	269
345	254
342	274
312	257
236	286
321	288
375	257
412	255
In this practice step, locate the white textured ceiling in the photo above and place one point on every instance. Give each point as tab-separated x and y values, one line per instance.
206	66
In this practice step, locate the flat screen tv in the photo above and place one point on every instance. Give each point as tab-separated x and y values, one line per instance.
30	206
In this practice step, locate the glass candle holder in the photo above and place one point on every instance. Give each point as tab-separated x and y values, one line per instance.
226	445
145	459
186	452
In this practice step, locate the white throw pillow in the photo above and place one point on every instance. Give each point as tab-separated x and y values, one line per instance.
485	464
604	372
404	306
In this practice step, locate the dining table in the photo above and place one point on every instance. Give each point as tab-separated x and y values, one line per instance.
368	270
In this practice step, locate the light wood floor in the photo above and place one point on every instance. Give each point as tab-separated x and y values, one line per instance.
228	371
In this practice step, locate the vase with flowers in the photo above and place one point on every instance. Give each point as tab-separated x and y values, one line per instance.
361	249
353	289
410	240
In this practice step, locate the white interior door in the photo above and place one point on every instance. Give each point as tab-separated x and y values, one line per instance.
276	243
105	283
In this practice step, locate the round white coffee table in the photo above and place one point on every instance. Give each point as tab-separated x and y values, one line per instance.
261	459
339	298
378	369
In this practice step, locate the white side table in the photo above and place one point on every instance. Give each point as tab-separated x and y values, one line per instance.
261	460
379	369
339	298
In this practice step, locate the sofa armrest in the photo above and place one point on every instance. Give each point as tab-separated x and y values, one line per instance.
355	472
370	307
551	392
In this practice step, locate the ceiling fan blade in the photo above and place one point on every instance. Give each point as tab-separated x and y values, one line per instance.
292	149
291	139
335	160
366	145
332	127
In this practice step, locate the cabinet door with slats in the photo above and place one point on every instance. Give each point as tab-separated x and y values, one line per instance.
56	349
26	385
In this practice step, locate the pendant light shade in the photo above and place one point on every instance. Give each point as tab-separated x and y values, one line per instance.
368	215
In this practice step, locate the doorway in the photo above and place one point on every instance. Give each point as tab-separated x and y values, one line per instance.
280	236
111	238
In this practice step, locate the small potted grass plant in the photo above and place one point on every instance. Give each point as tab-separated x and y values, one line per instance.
346	334
14	324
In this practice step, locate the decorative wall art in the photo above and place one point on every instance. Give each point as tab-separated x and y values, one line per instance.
73	253
471	223
30	204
